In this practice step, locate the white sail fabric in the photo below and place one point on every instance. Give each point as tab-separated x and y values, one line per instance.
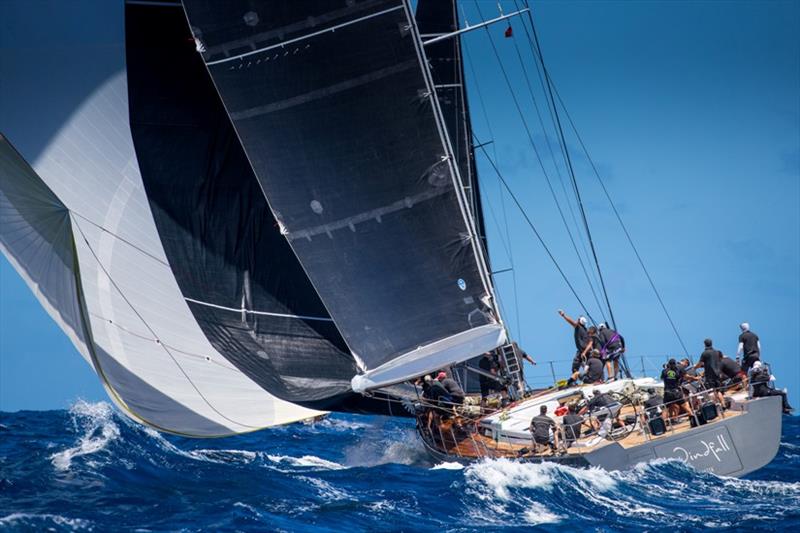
93	257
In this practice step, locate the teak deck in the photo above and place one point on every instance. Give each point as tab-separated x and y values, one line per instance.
452	439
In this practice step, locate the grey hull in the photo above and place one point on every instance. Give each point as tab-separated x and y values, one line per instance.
732	446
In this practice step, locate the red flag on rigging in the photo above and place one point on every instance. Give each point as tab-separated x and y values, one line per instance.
509	32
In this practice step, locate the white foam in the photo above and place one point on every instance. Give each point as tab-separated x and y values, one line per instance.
448	466
95	420
325	490
74	523
306	461
500	475
537	514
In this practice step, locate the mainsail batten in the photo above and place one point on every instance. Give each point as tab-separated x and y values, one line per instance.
344	133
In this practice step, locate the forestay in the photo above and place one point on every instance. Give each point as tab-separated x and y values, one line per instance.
339	118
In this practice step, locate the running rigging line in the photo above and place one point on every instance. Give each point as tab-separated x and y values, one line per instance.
533	227
535	149
535	47
563	155
572	173
508	247
558	173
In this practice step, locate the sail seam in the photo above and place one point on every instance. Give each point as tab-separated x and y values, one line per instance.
373	214
321	93
279	32
304	37
260	313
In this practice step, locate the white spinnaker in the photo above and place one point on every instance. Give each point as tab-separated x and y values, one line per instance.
144	341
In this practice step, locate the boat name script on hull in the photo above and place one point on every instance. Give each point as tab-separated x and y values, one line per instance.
710	451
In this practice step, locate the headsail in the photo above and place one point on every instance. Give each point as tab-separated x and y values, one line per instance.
77	226
238	274
338	116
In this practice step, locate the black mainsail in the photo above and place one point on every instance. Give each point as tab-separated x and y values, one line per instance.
338	116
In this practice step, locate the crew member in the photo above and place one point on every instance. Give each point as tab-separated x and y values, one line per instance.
439	395
652	405
749	345
710	360
540	429
594	368
488	364
601	407
732	372
572	423
673	376
612	346
581	340
453	389
760	378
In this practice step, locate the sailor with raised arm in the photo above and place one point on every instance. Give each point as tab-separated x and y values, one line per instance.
749	345
581	340
612	346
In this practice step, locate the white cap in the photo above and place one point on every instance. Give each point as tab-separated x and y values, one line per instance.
744	326
757	364
602	325
582	320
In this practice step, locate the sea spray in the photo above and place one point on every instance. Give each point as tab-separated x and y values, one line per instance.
92	468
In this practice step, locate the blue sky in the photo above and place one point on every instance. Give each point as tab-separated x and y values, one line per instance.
691	111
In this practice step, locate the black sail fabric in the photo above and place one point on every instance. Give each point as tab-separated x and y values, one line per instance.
337	116
243	283
434	19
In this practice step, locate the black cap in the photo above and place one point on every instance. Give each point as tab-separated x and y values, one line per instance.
708	342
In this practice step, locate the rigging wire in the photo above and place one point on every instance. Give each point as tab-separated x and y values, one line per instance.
596	173
530	135
560	178
509	247
561	150
624	228
572	172
535	231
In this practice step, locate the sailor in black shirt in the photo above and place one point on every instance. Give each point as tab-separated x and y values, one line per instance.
611	345
581	336
760	378
453	388
749	345
540	429
594	369
711	361
572	423
730	370
673	376
490	365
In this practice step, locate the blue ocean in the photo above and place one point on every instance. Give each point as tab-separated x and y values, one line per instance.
90	468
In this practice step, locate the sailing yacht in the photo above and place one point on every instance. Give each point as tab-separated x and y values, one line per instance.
249	213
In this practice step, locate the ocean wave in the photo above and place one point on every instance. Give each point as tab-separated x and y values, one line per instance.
448	466
94	421
349	475
306	461
44	521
